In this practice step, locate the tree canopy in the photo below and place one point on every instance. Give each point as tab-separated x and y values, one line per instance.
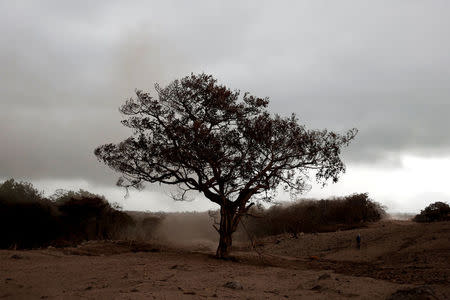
202	136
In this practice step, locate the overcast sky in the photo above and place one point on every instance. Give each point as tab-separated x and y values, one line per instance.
380	66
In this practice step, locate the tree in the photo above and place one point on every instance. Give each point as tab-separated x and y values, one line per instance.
202	136
437	211
14	191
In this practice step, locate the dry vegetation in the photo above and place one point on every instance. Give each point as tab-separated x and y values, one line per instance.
314	216
306	249
435	212
28	220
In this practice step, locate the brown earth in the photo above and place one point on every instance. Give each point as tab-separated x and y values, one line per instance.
397	260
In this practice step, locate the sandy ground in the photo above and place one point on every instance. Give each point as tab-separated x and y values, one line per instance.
401	260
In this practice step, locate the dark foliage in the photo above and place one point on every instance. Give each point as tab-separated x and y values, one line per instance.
437	211
204	137
91	218
314	216
28	220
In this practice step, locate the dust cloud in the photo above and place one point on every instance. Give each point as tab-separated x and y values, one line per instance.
192	231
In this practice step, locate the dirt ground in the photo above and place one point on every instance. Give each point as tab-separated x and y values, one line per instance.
397	260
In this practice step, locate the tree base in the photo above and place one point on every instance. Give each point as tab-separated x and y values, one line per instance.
228	258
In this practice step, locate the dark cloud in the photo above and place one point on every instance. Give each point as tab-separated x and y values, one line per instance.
382	67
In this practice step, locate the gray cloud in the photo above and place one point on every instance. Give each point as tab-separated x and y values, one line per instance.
382	67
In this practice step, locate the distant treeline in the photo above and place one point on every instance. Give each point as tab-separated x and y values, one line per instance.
310	216
28	220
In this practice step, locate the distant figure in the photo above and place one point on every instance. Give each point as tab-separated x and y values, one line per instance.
358	241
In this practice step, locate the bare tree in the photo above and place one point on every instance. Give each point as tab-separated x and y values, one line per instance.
204	137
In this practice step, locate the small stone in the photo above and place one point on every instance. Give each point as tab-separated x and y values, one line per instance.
324	276
233	285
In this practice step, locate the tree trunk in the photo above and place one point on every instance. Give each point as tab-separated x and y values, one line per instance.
225	231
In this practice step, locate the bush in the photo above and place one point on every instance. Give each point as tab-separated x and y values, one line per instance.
23	192
28	220
314	216
90	218
437	211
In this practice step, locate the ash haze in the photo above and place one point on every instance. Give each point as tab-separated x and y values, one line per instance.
380	66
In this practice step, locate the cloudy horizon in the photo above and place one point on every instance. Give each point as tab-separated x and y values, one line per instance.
380	66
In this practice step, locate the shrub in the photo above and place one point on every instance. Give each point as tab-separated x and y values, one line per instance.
61	195
28	220
437	211
89	218
314	216
13	191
